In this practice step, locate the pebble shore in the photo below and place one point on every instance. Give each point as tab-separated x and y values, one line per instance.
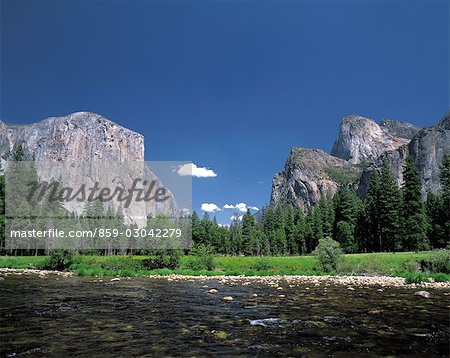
276	281
351	282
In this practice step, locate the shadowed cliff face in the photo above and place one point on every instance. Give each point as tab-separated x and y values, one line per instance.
310	174
85	137
427	149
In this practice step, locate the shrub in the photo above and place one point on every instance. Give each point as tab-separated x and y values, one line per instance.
440	277
369	266
172	260
169	260
153	263
328	255
116	263
262	264
415	277
410	266
440	262
59	260
202	258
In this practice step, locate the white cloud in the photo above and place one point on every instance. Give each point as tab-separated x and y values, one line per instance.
236	218
242	207
210	207
193	170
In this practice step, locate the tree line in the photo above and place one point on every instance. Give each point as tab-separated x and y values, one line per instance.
389	219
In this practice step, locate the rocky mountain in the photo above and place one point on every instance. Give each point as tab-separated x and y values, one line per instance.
426	148
78	136
362	140
310	174
85	137
361	147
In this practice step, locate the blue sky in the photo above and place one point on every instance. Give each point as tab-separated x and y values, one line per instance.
230	85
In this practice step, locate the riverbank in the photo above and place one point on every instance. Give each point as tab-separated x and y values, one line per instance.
277	282
404	265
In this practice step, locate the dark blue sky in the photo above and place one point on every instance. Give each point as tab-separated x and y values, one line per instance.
230	85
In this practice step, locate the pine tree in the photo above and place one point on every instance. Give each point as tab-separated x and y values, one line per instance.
389	210
414	220
206	228
93	219
327	215
346	206
445	184
369	222
18	154
197	232
436	216
299	232
345	237
250	241
289	229
235	237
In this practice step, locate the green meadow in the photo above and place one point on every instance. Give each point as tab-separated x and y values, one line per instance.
401	264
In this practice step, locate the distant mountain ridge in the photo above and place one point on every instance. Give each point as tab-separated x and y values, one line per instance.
361	147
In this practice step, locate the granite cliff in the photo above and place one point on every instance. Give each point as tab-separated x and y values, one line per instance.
426	148
86	137
362	140
310	174
361	147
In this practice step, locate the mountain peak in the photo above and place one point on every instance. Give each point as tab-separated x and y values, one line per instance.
362	140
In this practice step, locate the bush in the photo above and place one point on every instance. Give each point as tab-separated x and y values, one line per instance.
59	260
369	266
202	258
415	277
262	264
410	266
328	255
153	263
169	260
172	260
116	263
440	262
440	277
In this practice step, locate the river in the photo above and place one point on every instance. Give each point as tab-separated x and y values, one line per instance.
79	316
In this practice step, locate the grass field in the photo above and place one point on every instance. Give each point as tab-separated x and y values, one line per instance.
404	264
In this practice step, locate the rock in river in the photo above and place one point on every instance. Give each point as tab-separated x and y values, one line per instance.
424	294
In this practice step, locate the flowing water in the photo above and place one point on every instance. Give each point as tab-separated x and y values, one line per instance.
75	316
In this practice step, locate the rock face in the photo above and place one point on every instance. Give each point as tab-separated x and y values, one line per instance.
362	139
78	136
399	129
427	149
310	174
85	137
